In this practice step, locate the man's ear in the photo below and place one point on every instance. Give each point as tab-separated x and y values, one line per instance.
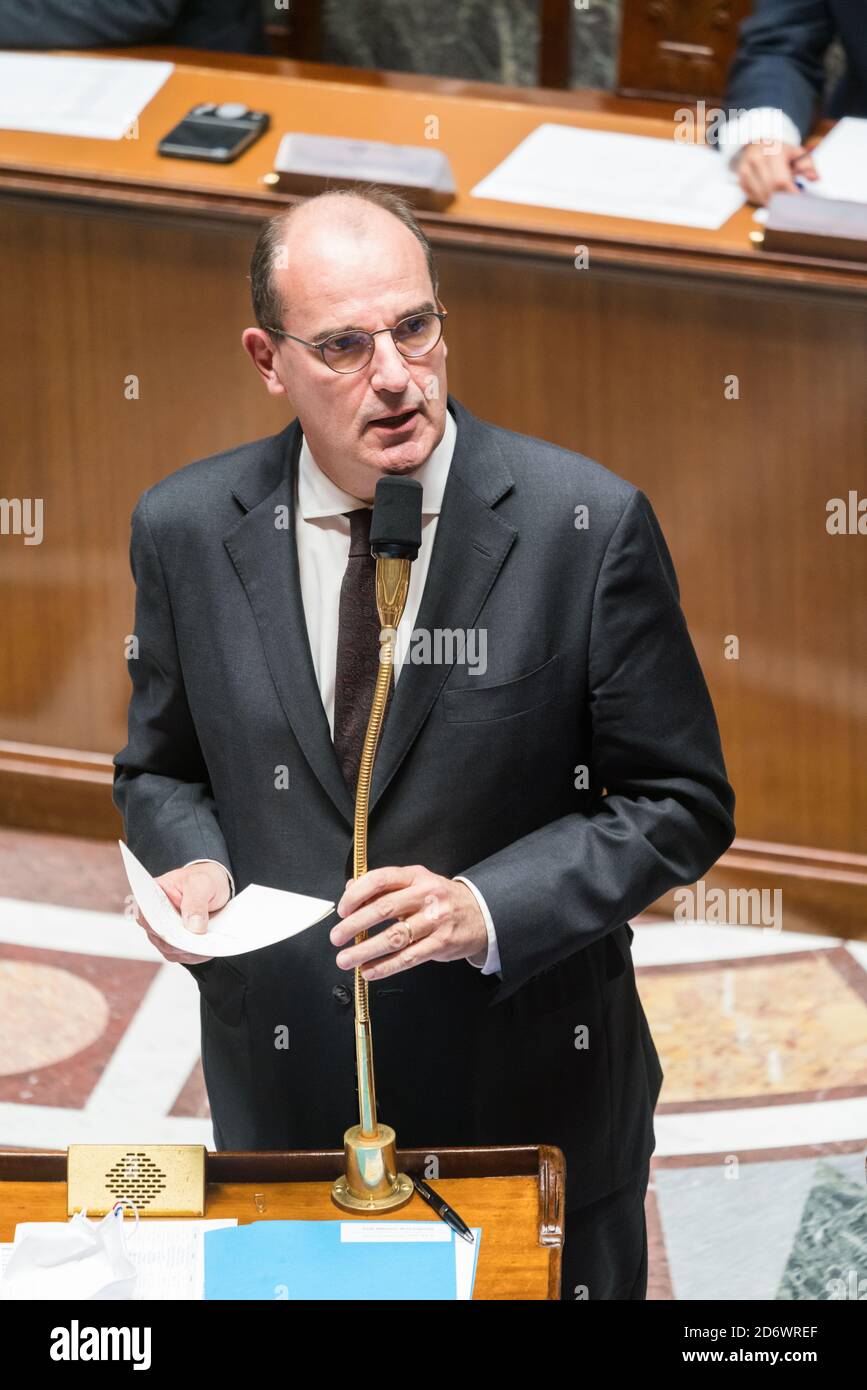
263	355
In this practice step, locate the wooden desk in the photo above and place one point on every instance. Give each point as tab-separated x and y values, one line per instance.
130	266
479	123
514	1193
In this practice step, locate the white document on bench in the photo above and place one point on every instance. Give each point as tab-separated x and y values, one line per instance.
613	175
841	163
98	98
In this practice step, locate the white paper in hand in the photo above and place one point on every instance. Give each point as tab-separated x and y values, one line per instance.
257	917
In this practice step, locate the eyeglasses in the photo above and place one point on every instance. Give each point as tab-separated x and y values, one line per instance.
349	352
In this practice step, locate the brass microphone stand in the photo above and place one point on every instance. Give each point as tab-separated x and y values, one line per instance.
370	1181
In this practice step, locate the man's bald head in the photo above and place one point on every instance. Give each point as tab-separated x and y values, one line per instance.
316	228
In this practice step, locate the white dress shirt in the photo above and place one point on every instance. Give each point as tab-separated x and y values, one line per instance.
759	123
322	536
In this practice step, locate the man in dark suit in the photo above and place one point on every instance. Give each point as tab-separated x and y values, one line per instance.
233	26
522	808
776	85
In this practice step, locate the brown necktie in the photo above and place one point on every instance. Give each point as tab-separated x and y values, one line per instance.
357	649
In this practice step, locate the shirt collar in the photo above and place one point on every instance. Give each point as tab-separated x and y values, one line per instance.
319	497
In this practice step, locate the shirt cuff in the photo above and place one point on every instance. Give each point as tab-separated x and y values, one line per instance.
222	866
492	960
759	123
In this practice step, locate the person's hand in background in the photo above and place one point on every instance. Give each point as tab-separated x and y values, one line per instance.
769	166
196	891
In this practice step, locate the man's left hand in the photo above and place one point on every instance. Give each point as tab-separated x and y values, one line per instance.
437	919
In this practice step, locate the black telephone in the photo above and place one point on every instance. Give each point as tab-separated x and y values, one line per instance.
216	133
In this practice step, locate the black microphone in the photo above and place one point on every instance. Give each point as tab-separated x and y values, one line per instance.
395	527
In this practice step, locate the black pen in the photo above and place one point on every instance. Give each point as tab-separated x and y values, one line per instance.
442	1209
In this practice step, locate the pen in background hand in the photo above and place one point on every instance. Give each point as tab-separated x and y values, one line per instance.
442	1209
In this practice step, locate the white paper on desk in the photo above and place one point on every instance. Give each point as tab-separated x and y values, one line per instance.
95	97
257	917
613	175
841	163
74	1259
169	1256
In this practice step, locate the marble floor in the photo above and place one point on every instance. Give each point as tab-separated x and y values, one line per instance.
757	1187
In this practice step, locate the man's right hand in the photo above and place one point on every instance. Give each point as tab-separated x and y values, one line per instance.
766	167
196	891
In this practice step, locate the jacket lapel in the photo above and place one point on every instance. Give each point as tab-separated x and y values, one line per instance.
470	547
266	559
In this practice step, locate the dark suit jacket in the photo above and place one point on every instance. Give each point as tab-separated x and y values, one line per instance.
234	26
589	662
781	53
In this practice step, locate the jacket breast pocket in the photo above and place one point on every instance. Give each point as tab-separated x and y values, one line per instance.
478	702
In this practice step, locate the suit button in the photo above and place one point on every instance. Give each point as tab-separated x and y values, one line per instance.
341	994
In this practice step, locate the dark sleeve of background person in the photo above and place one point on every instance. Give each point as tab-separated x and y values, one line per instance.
233	26
780	59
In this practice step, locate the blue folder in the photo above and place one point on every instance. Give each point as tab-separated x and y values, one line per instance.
290	1260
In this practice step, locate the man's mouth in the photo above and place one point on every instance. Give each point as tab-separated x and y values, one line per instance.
393	424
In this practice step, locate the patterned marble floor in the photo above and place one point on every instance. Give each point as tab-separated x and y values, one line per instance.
757	1184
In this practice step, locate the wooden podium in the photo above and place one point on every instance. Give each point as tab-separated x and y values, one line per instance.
515	1193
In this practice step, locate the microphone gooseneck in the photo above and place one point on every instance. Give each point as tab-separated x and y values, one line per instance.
370	1180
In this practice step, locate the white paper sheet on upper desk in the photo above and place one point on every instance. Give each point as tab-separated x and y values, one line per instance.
98	98
841	162
614	175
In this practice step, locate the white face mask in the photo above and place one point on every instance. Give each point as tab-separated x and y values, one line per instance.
69	1260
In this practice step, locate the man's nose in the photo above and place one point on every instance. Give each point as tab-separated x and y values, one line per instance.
388	370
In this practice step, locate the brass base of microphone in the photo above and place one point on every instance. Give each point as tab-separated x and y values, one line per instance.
371	1181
